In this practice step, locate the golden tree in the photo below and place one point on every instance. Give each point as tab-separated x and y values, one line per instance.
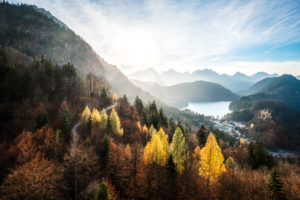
95	116
178	149
211	160
103	120
164	140
145	129
114	97
115	123
154	151
86	114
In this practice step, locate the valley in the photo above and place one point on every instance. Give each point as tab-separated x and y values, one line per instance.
200	116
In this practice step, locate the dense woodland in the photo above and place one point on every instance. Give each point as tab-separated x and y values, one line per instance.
282	131
132	151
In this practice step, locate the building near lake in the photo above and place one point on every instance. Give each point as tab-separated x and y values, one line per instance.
265	114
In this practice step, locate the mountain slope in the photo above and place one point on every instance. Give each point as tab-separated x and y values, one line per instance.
37	33
180	94
257	87
285	88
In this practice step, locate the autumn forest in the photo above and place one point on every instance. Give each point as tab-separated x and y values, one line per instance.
67	133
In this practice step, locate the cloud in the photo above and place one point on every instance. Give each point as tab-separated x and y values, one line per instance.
177	34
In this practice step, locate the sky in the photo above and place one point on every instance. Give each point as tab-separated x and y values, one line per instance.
185	35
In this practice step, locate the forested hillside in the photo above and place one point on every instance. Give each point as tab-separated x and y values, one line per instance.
67	133
37	33
280	96
285	88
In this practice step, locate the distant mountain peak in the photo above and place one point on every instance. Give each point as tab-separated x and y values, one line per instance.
170	71
239	74
260	74
151	70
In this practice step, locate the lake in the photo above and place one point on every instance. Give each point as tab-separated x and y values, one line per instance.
219	108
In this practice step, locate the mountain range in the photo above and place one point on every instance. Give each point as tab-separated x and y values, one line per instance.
180	94
235	82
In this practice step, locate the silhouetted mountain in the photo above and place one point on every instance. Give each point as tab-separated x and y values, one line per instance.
236	82
37	33
180	94
257	87
285	88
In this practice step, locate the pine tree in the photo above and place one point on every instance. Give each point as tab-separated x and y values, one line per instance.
172	178
66	126
163	120
103	193
171	167
275	187
202	136
258	156
103	120
85	114
104	151
211	161
178	149
115	123
153	115
95	116
138	104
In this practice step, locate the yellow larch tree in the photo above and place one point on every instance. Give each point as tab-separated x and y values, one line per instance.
145	129
103	120
179	150
114	97
164	140
85	114
95	116
211	160
154	151
115	123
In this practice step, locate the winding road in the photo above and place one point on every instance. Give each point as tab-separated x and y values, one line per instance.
74	129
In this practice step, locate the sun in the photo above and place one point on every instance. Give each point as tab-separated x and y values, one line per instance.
137	48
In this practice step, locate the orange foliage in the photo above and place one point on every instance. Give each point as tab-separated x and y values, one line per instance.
29	144
36	179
